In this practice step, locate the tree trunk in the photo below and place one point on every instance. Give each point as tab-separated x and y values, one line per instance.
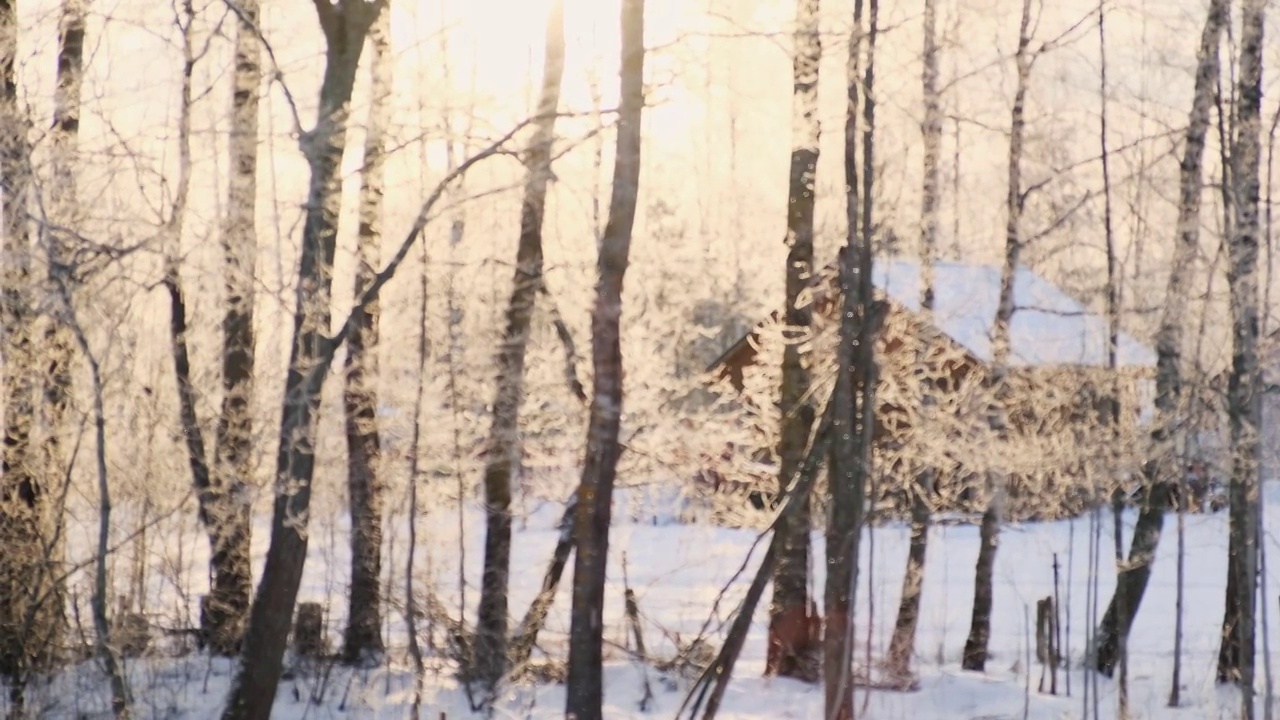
526	635
1131	582
230	558
225	521
713	682
1111	418
253	689
59	345
62	205
503	451
362	639
1169	339
584	692
846	478
902	644
791	603
24	638
107	653
975	647
1237	655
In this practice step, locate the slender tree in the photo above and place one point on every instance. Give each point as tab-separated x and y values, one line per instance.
846	474
790	610
1237	655
585	692
902	644
220	486
1132	581
362	640
1111	404
865	366
503	449
345	25
228	604
975	647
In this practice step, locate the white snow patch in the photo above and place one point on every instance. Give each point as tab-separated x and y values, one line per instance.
1048	328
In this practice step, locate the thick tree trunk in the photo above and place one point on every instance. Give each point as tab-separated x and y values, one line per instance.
362	639
585	692
795	657
253	689
25	640
975	647
503	452
1131	582
1237	654
228	607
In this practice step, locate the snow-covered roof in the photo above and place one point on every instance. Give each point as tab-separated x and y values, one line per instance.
1048	328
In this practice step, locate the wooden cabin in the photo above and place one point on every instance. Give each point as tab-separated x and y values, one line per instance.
1060	442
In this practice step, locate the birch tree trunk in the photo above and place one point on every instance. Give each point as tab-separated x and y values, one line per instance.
790	652
228	605
1132	582
345	25
584	692
902	644
503	450
362	639
1237	655
975	647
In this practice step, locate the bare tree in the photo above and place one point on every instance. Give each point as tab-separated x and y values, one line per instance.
846	472
902	644
345	25
790	650
1132	581
221	494
362	641
1111	399
584	691
1236	658
262	653
503	449
228	603
107	652
975	647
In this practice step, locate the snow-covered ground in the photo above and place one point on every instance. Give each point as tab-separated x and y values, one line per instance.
677	572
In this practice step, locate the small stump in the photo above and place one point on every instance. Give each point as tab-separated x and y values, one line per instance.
132	634
308	631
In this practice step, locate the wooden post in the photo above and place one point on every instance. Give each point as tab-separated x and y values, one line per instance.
1057	632
1047	634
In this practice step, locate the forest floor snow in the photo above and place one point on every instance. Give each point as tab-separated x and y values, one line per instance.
677	572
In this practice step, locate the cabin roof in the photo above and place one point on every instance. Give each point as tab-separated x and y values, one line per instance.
1049	327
